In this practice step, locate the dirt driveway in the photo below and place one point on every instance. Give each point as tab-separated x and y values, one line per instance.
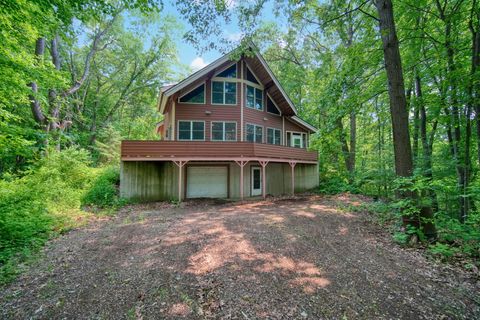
302	258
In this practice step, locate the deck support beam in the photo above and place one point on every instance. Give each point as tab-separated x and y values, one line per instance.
180	165
242	164
264	182
292	166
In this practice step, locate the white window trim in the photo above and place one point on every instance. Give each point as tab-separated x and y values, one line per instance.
301	135
280	133
275	104
255	99
224	80
254	132
251	84
191	129
211	131
204	84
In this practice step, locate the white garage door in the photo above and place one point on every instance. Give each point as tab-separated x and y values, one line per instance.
207	182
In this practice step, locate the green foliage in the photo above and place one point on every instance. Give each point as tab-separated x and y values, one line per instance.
443	250
334	185
104	190
401	238
41	203
459	237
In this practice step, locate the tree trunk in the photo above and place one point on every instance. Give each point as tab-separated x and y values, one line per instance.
34	102
398	110
416	126
426	144
474	87
353	144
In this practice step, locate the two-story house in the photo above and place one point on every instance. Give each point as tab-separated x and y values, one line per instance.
229	131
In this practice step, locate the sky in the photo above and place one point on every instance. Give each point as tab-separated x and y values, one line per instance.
188	55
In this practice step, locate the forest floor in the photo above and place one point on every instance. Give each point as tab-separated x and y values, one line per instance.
298	258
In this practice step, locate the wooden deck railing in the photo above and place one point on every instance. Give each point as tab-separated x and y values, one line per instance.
132	149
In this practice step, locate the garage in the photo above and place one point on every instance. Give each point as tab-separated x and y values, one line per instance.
207	182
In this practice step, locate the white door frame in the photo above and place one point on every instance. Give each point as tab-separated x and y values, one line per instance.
255	192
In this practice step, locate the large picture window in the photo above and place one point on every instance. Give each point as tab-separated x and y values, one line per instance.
254	133
191	130
254	98
224	131
224	92
273	136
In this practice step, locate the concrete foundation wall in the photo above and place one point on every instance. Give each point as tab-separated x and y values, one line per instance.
148	180
151	181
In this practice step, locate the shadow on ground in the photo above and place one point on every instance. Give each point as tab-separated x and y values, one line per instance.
279	259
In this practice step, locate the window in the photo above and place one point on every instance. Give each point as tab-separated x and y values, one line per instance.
230	72
197	95
254	133
271	107
297	140
251	77
224	92
224	131
254	98
191	130
273	136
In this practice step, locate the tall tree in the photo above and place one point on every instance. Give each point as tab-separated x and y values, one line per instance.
398	109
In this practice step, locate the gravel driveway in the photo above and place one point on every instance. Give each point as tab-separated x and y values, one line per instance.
300	258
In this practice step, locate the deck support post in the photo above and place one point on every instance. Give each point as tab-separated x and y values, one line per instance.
264	180
180	165
292	166
242	164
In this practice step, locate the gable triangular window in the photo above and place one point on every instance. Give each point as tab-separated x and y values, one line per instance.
230	72
251	77
197	95
271	107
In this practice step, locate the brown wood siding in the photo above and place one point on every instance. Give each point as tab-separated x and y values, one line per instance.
290	126
208	112
171	149
217	112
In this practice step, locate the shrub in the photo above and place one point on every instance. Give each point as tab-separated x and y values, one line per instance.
335	185
104	190
24	219
40	203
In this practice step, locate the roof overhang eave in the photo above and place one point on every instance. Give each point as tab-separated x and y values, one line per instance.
304	124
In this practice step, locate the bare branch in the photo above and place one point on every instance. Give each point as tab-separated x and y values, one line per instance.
95	47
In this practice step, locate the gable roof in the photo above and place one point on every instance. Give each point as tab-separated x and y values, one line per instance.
169	90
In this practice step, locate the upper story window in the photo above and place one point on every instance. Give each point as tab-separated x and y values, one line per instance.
273	136
230	72
254	133
191	130
271	107
254	98
224	92
224	131
251	77
197	95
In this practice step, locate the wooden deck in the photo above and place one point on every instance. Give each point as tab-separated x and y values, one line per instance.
144	150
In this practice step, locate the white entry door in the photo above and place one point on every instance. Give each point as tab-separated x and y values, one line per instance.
207	182
256	178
